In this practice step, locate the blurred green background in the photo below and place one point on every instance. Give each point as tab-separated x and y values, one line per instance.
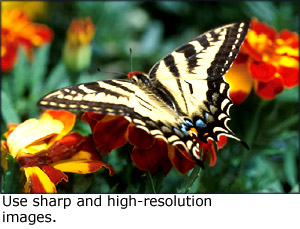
151	30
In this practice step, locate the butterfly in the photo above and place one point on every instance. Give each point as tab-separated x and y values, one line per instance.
183	99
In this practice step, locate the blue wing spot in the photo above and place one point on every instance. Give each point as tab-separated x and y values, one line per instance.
200	123
185	129
188	122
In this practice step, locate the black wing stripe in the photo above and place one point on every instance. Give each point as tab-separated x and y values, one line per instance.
203	41
118	85
228	49
189	51
170	63
96	87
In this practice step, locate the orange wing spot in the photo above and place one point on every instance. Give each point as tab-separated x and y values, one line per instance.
193	132
205	134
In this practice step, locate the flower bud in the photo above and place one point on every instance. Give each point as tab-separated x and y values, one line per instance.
77	52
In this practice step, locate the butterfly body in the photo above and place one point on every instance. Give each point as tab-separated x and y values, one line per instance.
183	99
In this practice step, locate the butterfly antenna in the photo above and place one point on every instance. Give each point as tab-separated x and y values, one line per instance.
115	73
130	50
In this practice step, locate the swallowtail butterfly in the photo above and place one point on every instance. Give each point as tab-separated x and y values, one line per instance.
183	99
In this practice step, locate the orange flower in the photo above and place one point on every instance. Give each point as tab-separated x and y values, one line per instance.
34	9
17	30
44	150
268	61
149	153
77	51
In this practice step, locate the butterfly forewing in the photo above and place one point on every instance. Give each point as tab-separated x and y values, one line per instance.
208	55
108	97
119	97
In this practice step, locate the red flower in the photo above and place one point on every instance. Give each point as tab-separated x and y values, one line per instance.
17	30
268	61
149	153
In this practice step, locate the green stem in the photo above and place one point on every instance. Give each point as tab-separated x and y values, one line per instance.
251	133
254	124
286	123
151	184
190	180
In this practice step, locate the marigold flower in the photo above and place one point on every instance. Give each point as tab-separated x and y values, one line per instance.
268	61
45	149
149	153
34	9
77	51
17	30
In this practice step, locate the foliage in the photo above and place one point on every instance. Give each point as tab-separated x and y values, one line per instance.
153	30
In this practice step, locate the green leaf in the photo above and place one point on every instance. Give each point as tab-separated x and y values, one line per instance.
56	76
20	74
8	112
7	81
190	180
289	95
82	183
285	124
255	9
151	38
38	69
10	179
290	167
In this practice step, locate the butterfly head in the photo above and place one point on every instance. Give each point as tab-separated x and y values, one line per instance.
139	77
136	73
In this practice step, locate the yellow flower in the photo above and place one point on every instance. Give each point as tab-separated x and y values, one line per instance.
45	149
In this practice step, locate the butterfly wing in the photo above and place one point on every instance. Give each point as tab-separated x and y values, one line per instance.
188	83
193	75
122	97
208	56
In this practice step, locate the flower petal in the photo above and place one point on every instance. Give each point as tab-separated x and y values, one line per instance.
8	55
139	137
208	150
290	76
262	71
38	181
82	166
110	133
181	162
65	117
154	158
92	118
268	90
4	152
54	175
240	82
30	131
60	150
